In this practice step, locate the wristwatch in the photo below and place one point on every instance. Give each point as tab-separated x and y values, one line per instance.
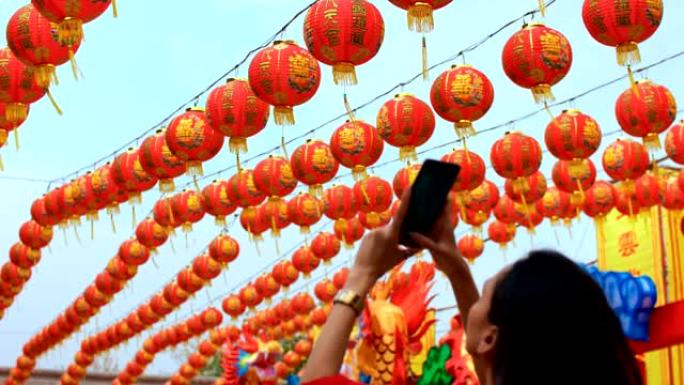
351	299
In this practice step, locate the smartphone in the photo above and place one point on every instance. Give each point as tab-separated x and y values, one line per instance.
429	195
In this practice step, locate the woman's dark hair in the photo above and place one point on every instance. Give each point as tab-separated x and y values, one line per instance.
555	327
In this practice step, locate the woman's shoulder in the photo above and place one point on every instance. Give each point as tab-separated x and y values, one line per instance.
333	380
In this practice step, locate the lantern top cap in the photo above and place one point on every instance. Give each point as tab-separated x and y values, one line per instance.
195	108
400	95
573	111
288	42
533	24
236	79
453	66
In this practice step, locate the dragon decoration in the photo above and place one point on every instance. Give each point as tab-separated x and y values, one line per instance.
251	361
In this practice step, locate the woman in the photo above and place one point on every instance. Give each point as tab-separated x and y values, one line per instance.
542	320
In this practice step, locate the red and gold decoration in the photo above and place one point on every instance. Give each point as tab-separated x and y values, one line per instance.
305	261
274	178
276	214
233	306
215	201
674	143
157	160
191	138
285	273
462	95
373	195
375	220
599	200
236	112
622	24
128	173
471	247
645	111
349	231
187	208
537	57
536	189
266	286
471	176
71	15
254	221
18	88
405	122
501	233
573	136
516	156
305	210
343	34
625	160
242	190
356	145
671	195
555	205
404	179
284	76
339	203
419	12
574	180
314	164
224	249
250	296
325	246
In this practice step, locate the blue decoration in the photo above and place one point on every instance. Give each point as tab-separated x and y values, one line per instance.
365	378
631	298
293	379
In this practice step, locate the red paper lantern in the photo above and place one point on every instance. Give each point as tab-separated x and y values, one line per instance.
250	296
157	160
133	252
537	57
174	295
325	291
55	205
305	261
215	201
120	270
191	138
405	122
313	164
356	145
127	172
483	198
501	233
375	220
224	249
95	297
160	306
303	347
647	191
472	172
599	200
622	25
292	359
471	247
574	181
318	317
373	195
236	112
461	95
554	205
647	112
211	317
305	210
343	34
340	203
267	286
40	215
671	195
516	156
206	268
349	231
33	39
163	214
625	160
508	211
536	188
233	306
189	281
242	190
302	303
284	75
23	256
107	284
340	278
626	204
285	273
151	234
71	15
14	274
573	136
254	221
34	235
325	246
19	88
674	143
419	12
187	208
404	179
274	178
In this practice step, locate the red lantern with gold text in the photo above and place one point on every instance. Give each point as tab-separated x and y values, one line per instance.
476	218
242	190
404	179
516	156
483	198
343	34
174	295
191	138
34	235
501	233
215	201
599	200
224	249
626	204
254	221
302	303
419	12
574	181
285	273
233	306
305	210
340	203
318	317
19	89
537	57
325	246
461	95
236	112
250	296
157	160
120	269
471	247
671	195
127	172
405	122
71	15
284	75
187	208
373	195
349	231
189	281
674	143
356	145
275	213
508	211
375	220
325	291
267	286
647	191
622	24
554	205
625	160
313	164
537	188
645	111
274	178
573	136
163	215
305	261
23	256
133	252
34	40
471	176
292	359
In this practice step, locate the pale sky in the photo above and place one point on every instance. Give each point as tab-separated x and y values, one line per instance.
158	54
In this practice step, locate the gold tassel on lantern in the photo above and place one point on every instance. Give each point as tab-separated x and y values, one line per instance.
2	165
464	129
44	74
316	190
407	153
633	82
54	102
74	66
115	10
419	17
195	168
652	142
237	145
345	74
542	8
16	112
70	32
359	173
425	59
542	94
16	137
284	115
220	220
628	53
166	185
